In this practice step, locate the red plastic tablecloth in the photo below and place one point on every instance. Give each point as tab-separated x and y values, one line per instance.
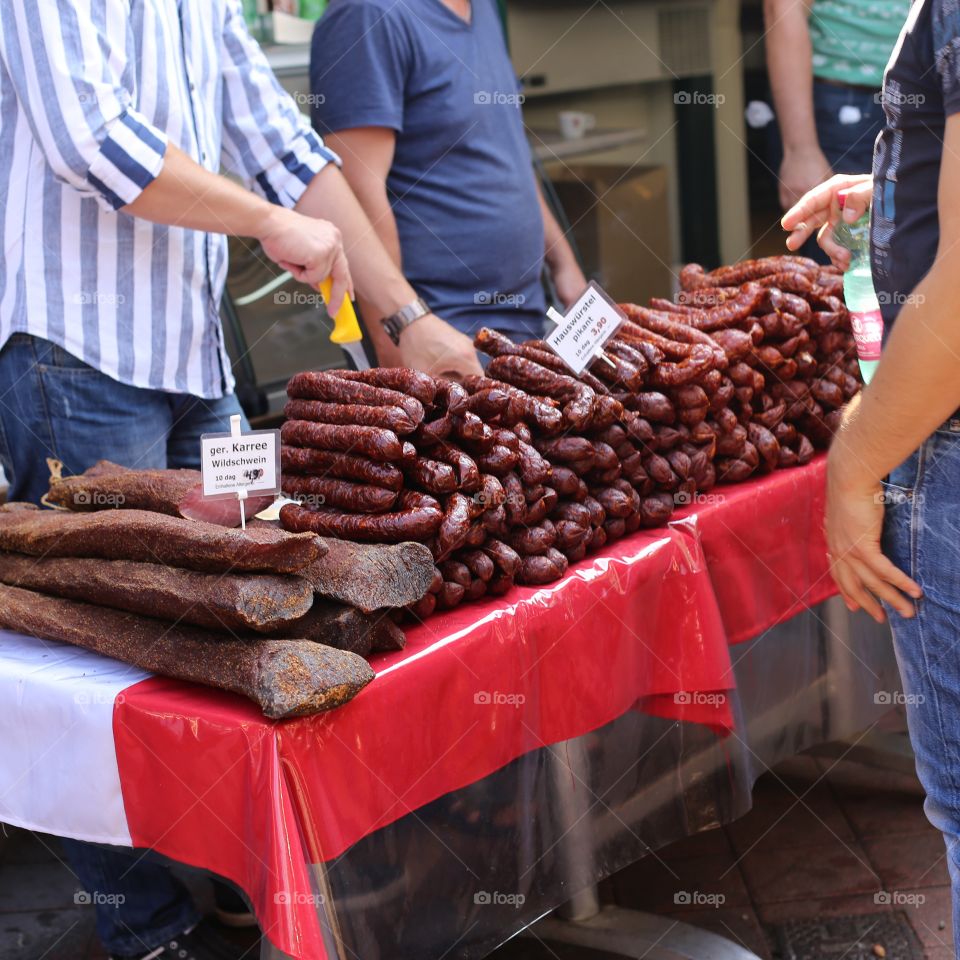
764	545
207	780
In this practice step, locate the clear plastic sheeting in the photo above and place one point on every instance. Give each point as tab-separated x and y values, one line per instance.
467	871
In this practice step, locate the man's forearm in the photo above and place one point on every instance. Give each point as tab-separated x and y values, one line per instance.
184	194
381	287
790	66
558	252
915	389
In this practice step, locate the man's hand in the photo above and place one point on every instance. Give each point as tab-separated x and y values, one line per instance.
432	346
310	249
800	172
863	574
819	209
854	522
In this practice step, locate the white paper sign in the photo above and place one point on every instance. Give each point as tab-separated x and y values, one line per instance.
244	464
583	330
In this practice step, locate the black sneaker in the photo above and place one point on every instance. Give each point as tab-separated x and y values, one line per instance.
201	942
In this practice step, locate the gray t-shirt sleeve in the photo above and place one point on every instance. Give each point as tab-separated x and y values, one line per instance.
358	67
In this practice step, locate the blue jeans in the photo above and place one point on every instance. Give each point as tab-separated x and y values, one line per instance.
920	536
54	405
847	146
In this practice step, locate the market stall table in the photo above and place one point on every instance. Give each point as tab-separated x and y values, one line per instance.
323	820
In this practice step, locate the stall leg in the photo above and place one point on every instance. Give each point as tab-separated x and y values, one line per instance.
875	748
582	921
631	933
568	773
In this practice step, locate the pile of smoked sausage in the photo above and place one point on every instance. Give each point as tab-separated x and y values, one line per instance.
511	476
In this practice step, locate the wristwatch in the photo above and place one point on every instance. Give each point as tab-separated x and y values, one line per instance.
397	322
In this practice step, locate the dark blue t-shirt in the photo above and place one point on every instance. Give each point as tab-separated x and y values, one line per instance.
921	89
461	186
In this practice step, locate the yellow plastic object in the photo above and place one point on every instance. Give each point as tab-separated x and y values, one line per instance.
345	326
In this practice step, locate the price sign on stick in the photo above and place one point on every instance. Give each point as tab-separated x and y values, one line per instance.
582	332
239	464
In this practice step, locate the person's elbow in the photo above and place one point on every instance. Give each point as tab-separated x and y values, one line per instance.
112	161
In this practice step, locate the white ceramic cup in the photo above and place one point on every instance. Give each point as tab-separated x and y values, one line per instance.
574	124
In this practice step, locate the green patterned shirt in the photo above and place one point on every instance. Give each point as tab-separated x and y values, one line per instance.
852	39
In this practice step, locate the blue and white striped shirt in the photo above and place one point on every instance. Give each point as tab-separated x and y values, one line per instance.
91	92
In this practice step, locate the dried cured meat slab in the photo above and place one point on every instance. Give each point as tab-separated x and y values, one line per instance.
229	601
285	678
156	538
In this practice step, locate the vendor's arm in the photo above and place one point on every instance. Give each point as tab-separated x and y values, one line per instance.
429	344
568	278
184	194
94	139
357	201
367	156
789	64
915	389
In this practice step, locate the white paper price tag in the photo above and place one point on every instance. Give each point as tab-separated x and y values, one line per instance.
583	330
240	464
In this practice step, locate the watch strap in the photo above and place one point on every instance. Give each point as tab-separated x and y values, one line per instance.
397	322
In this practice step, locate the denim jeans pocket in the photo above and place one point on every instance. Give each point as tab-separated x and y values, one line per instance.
52	358
900	499
62	361
936	508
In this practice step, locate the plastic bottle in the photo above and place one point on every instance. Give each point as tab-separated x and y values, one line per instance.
858	292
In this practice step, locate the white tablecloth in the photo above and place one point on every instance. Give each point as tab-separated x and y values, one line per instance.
58	762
